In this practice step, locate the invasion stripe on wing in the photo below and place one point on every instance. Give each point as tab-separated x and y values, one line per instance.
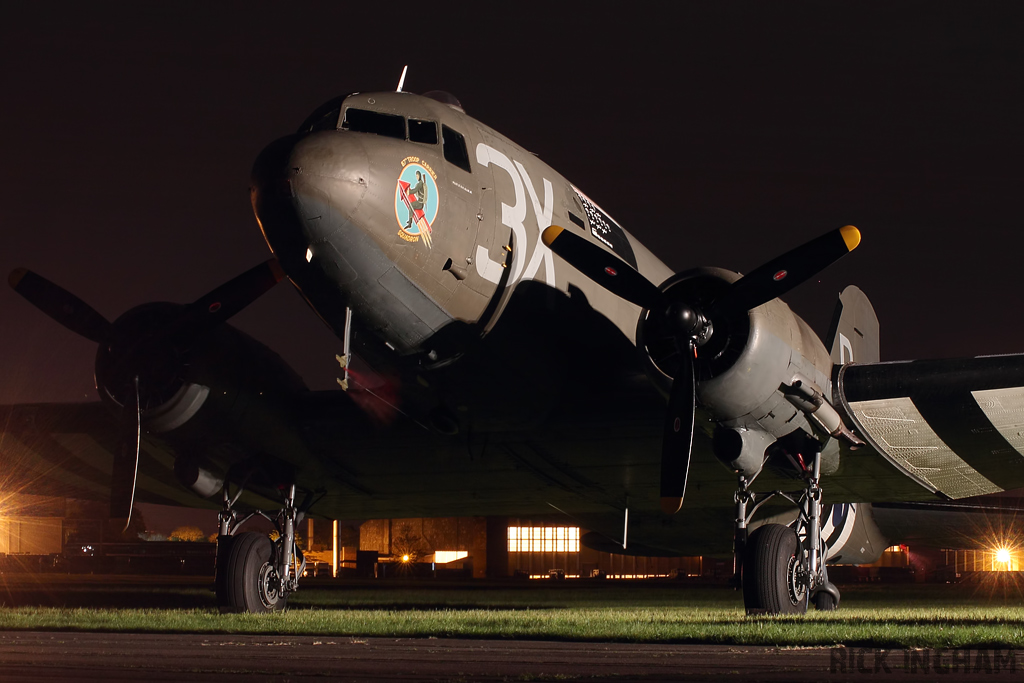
1005	410
911	443
968	429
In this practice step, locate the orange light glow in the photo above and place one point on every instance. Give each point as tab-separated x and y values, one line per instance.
536	539
446	556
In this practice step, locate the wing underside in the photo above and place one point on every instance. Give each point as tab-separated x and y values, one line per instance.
956	427
67	450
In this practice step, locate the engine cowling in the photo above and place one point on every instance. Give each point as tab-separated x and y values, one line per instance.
199	391
742	368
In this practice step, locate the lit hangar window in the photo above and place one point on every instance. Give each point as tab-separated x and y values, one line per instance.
543	539
446	556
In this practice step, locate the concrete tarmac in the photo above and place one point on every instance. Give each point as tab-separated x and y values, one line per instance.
36	656
109	657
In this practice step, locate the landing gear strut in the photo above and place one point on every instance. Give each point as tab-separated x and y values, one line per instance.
782	568
255	574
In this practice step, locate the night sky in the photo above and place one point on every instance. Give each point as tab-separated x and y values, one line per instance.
718	136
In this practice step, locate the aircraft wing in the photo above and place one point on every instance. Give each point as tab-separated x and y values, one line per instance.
67	450
956	427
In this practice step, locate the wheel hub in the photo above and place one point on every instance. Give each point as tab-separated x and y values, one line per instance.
269	585
795	581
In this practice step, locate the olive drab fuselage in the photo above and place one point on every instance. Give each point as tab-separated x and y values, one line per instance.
349	235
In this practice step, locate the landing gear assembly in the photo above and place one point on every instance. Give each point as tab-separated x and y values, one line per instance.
255	574
782	568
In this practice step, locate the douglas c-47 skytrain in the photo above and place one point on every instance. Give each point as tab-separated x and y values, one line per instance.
506	348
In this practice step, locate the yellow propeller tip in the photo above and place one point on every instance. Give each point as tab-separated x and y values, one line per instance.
550	234
851	236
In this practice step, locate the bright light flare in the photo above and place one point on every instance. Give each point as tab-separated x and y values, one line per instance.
405	558
1003	556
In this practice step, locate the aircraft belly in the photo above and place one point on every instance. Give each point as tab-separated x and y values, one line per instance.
429	316
384	296
574	467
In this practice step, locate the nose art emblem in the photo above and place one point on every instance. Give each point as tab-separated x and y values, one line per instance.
416	200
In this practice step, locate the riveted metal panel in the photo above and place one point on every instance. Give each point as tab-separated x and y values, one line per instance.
897	427
1005	410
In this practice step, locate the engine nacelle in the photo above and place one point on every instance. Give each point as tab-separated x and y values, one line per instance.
741	370
742	450
177	375
198	478
200	392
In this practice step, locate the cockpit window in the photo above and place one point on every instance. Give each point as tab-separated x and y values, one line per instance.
362	121
455	148
324	117
329	121
423	131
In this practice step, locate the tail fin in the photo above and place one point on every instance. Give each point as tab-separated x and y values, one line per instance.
853	335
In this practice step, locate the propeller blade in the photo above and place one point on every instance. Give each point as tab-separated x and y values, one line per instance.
677	442
60	304
783	273
604	268
126	461
234	295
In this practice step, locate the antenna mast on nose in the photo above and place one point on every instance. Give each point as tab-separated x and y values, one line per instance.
401	81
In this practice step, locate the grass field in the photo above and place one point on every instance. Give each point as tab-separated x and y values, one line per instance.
971	615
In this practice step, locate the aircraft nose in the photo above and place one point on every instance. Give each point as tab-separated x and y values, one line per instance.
331	226
304	187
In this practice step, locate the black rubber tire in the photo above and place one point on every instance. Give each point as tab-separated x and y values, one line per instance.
767	572
245	582
824	602
220	584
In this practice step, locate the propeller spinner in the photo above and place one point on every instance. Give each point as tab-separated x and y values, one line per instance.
692	326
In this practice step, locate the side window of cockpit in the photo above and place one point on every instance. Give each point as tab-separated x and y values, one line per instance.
362	121
329	121
423	131
455	148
